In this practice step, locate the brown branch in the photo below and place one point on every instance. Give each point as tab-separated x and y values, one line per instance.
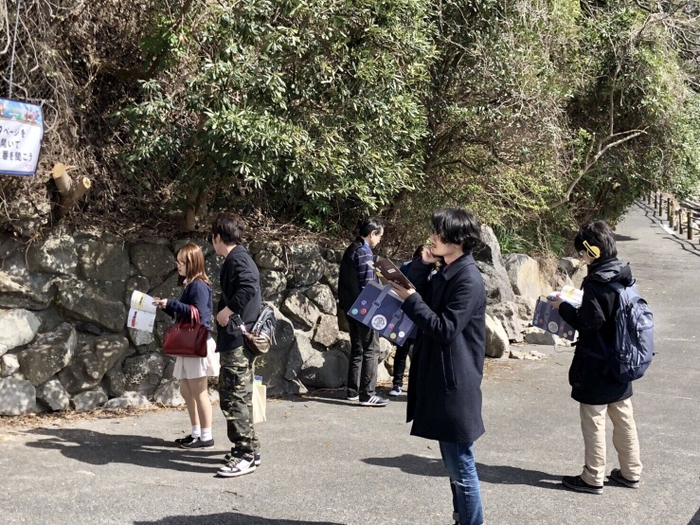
628	135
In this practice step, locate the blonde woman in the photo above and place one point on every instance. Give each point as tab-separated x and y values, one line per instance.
193	371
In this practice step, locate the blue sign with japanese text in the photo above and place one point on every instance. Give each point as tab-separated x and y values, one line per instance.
21	133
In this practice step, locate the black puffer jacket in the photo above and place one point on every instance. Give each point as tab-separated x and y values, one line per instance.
590	382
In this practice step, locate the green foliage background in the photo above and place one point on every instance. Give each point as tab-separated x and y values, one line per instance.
537	115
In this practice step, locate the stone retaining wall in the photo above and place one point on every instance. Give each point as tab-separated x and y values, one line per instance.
63	305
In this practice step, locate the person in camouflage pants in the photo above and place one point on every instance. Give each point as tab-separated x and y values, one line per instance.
236	399
240	303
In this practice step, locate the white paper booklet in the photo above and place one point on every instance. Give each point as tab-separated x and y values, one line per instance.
571	295
142	315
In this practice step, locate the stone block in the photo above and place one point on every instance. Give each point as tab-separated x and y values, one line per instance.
49	354
17	397
89	400
497	344
17	328
325	369
54	395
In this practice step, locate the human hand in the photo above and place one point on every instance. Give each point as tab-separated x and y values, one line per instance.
223	316
160	303
403	293
555	301
427	255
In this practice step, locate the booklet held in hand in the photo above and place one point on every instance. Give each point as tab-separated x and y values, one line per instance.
547	317
379	308
389	273
142	315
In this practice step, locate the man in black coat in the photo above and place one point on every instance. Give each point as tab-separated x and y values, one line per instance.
241	296
444	382
592	384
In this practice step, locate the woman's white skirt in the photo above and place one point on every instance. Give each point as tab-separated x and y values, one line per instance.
194	367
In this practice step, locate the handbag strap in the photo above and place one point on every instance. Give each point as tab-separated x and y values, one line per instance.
194	314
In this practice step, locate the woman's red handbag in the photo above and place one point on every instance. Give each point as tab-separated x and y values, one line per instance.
187	338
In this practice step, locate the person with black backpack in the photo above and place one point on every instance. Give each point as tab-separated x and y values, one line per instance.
594	384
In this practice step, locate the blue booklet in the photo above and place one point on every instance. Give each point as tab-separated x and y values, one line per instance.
547	318
379	308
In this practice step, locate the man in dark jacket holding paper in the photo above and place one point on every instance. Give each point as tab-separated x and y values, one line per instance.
444	382
241	296
356	270
593	385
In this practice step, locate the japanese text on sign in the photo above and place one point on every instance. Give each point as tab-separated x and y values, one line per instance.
21	132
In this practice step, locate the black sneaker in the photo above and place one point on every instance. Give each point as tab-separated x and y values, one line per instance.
228	457
395	391
353	397
198	443
577	484
185	441
374	401
617	477
238	466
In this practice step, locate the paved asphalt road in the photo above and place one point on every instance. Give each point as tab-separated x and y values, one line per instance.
329	462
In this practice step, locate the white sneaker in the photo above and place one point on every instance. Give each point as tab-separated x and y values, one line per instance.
238	466
395	391
374	401
228	457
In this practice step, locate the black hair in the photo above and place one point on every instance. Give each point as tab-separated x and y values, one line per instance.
370	225
419	251
230	226
456	226
597	234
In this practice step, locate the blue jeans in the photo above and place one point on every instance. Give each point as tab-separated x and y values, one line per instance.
464	481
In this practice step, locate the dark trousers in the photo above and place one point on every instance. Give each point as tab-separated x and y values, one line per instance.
400	362
364	358
236	399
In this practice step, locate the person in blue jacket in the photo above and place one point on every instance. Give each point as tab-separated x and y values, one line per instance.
192	372
444	383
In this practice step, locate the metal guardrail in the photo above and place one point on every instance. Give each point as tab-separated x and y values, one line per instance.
683	216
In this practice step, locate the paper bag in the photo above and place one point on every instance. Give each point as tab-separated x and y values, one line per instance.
259	400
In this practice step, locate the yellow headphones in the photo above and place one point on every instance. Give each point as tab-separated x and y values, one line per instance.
593	251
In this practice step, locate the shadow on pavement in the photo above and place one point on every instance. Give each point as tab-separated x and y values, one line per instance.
421	466
338	397
692	249
695	520
411	464
688	246
95	448
518	476
228	519
326	400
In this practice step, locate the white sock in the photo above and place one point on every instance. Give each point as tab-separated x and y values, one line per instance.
195	431
206	434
